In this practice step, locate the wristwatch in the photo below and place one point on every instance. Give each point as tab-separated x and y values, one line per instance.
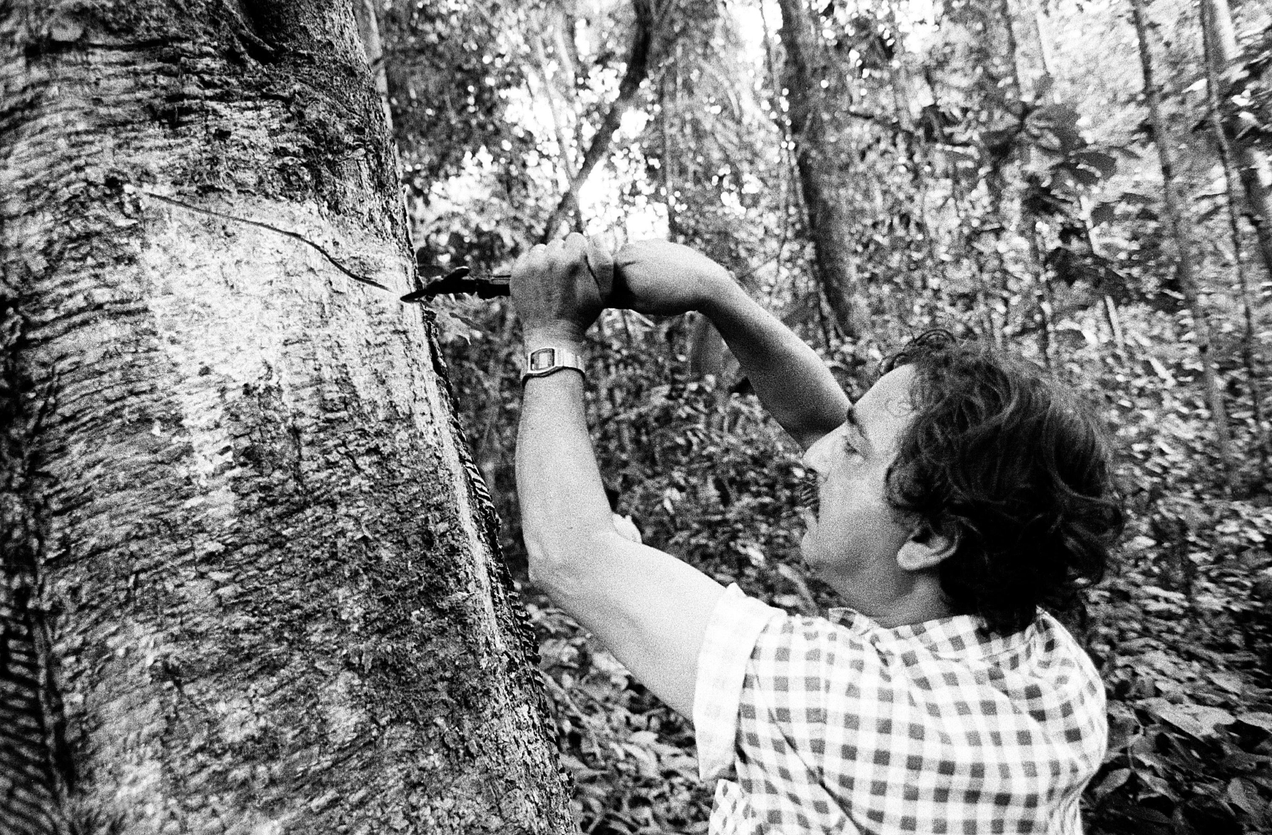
544	361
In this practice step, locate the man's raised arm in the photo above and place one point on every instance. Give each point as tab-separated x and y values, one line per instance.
649	608
662	278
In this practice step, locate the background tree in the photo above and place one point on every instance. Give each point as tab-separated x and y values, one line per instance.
1251	159
250	575
813	134
634	74
1232	186
1182	233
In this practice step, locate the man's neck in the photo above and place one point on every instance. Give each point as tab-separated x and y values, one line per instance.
921	599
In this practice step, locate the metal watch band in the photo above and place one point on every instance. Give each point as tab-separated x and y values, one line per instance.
544	361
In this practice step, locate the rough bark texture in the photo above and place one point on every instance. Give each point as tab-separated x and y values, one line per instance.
248	573
827	218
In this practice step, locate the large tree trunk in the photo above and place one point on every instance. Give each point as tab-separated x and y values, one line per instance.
833	249
249	580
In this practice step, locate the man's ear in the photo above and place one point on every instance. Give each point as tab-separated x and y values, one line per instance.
926	548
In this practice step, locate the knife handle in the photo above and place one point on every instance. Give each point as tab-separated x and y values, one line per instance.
600	263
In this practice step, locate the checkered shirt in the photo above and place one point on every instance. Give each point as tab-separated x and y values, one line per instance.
841	725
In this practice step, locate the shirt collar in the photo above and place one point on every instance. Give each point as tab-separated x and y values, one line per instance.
959	636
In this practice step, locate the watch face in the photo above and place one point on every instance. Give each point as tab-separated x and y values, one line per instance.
542	359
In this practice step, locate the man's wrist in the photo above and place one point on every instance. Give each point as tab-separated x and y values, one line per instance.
562	334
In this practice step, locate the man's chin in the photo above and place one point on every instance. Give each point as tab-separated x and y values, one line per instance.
807	552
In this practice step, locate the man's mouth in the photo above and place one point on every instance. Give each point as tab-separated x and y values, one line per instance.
809	494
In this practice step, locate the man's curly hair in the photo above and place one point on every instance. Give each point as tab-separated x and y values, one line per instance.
1017	471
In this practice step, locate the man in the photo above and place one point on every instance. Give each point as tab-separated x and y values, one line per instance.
955	496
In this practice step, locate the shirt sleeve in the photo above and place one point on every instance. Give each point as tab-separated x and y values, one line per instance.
735	625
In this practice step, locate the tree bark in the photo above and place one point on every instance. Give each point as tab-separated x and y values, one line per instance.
1180	233
250	577
1232	181
833	251
1250	160
369	29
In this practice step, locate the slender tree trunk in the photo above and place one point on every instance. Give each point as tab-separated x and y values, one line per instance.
1045	53
1045	296
1016	91
669	160
827	219
564	147
369	29
982	268
1180	233
1249	342
794	206
635	74
249	573
1032	230
1250	160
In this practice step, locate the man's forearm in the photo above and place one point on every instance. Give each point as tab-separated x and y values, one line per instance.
563	504
788	376
650	609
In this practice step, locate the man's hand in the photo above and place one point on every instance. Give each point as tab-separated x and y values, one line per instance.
666	279
659	278
555	292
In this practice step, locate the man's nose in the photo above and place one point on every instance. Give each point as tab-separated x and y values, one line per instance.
817	455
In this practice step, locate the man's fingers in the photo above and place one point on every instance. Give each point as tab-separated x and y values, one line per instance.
567	253
569	248
561	257
535	251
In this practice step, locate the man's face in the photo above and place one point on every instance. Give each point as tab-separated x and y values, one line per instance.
852	542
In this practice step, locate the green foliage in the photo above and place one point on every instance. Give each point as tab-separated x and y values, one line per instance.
1190	714
630	758
1181	631
448	70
